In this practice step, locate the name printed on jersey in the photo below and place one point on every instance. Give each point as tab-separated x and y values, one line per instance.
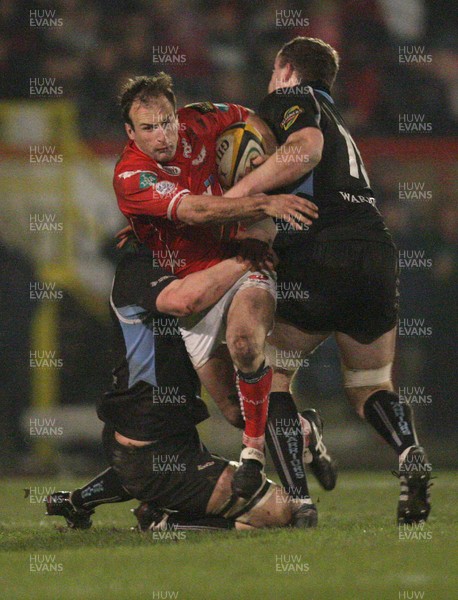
357	199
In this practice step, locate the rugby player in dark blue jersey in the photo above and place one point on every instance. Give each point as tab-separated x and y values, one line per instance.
152	409
344	266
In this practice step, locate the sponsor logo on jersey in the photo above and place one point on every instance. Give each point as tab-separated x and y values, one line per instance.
161	279
202	107
200	159
204	466
290	116
258	277
147	179
171	170
165	187
187	148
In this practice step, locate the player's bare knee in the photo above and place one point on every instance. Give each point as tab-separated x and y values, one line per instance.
245	352
283	509
281	516
273	510
257	301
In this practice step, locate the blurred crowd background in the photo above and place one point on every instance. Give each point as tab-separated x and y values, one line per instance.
229	48
224	51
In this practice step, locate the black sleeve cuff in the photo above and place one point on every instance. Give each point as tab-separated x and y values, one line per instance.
156	289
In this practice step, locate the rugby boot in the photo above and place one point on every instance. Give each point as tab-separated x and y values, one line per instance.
306	516
150	517
316	454
249	477
414	476
58	504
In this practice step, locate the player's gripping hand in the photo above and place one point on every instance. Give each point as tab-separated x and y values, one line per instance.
125	236
293	209
258	161
256	252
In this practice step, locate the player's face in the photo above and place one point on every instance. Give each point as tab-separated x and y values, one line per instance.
281	76
155	128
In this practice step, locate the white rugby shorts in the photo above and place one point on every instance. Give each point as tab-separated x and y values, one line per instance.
203	333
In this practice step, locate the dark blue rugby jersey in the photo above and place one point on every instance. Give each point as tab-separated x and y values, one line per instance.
155	390
339	184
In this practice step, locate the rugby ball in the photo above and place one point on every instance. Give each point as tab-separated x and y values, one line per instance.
236	148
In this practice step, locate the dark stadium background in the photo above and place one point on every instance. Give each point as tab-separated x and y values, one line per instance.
221	51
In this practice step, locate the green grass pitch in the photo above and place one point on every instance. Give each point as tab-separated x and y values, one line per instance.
356	553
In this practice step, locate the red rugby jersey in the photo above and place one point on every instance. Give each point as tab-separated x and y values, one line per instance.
149	193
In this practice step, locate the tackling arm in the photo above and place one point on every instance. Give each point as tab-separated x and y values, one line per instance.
202	210
295	158
198	291
209	210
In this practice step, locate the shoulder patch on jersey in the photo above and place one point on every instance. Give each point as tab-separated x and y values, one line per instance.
202	107
147	179
290	116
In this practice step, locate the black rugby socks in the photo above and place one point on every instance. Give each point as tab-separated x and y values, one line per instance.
106	488
285	441
392	419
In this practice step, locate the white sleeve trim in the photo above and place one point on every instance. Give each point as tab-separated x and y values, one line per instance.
317	104
173	201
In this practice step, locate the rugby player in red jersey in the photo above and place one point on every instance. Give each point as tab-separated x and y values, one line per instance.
166	185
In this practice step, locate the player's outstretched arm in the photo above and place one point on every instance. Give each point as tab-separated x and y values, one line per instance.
295	158
201	210
198	291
